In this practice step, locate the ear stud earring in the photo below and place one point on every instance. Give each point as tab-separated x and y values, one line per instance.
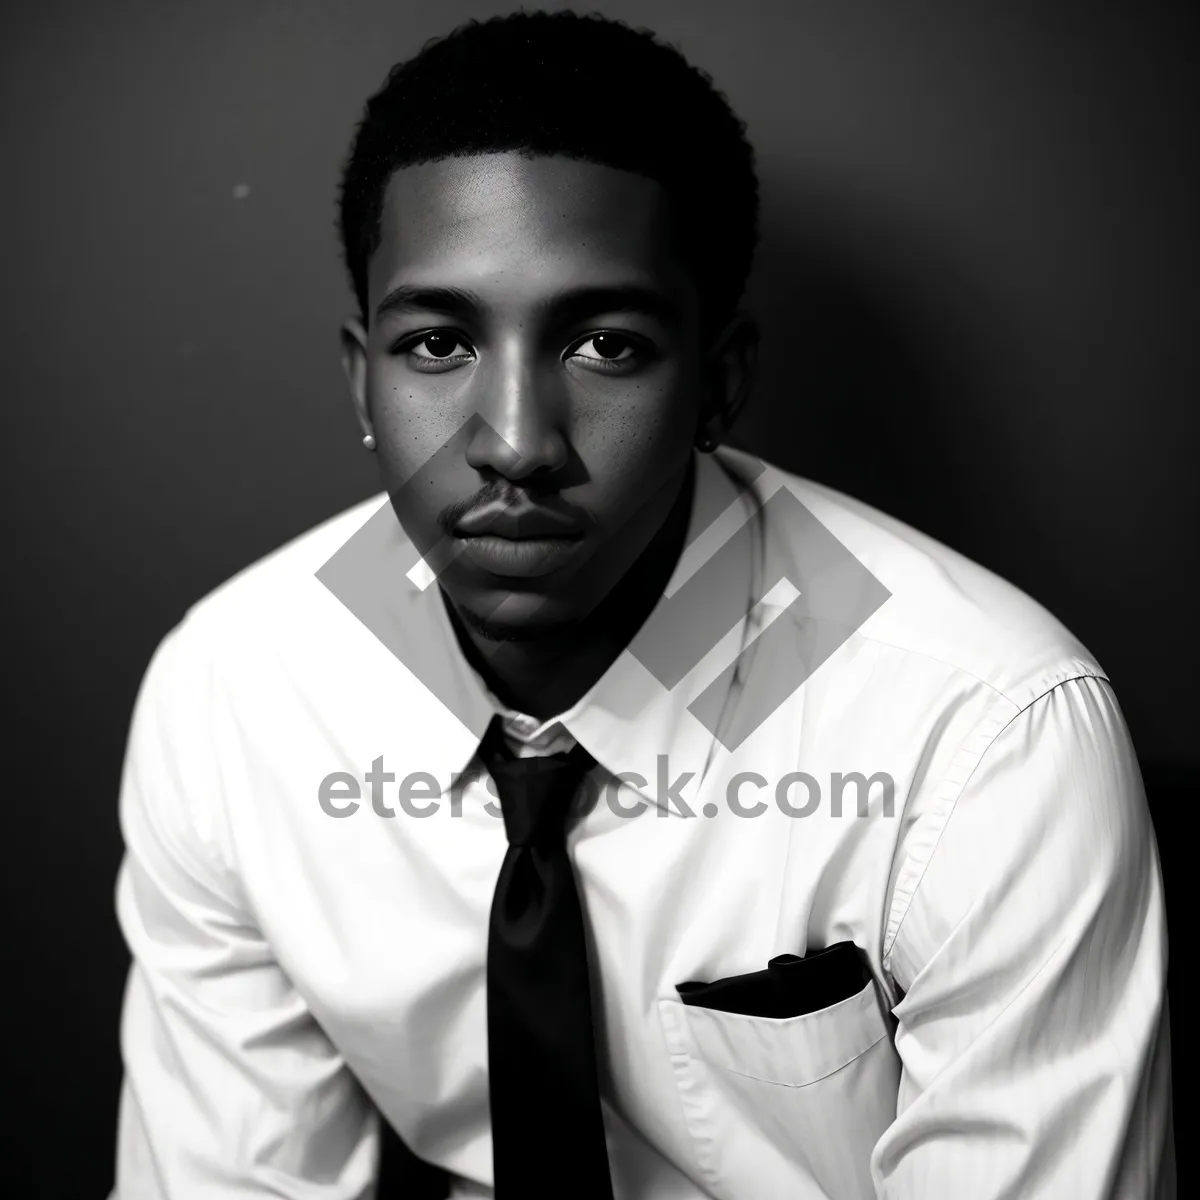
706	443
369	441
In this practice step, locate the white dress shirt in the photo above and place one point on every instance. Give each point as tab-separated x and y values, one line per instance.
296	973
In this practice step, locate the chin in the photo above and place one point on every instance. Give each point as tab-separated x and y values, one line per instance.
520	618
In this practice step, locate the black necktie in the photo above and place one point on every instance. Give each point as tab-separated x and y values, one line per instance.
547	1129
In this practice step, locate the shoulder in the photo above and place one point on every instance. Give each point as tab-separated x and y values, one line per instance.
940	606
268	617
1028	777
280	594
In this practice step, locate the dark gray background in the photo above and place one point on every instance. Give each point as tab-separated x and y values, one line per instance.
978	285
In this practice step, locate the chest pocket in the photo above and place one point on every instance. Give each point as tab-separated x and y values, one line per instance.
788	1107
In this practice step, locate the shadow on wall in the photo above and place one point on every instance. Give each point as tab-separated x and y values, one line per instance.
883	373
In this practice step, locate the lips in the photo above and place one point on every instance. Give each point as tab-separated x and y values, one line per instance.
518	523
519	558
518	540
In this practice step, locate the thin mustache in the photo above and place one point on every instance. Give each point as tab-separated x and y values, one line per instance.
495	496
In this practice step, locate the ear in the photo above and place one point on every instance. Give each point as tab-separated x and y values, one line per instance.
732	367
354	364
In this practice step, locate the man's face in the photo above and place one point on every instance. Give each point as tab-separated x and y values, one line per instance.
532	373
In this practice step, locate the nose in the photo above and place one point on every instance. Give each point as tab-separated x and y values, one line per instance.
523	410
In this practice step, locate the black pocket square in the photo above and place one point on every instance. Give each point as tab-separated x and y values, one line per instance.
790	986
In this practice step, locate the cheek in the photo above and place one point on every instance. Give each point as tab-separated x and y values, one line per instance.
412	421
646	424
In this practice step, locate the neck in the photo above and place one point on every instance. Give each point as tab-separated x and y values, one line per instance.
546	677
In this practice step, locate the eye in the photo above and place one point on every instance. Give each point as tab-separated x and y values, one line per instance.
609	351
439	344
436	349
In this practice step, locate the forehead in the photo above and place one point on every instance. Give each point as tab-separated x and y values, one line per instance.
523	227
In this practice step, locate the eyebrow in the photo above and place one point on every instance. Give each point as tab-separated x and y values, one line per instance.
567	306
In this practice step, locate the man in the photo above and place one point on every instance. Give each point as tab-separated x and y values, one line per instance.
607	812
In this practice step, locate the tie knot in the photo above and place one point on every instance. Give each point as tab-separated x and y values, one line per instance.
535	793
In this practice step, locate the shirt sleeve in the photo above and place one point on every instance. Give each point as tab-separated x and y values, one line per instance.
1034	1033
231	1089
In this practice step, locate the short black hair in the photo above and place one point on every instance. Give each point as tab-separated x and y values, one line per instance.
582	86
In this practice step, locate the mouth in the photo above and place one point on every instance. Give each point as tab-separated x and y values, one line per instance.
519	523
518	539
519	557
